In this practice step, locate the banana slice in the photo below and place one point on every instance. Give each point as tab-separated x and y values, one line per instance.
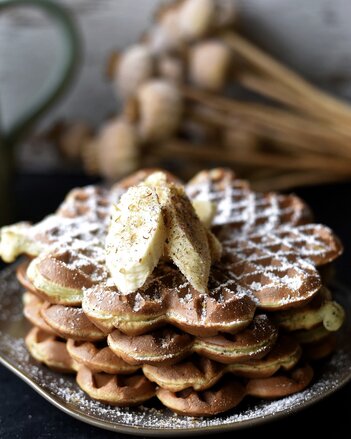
14	241
215	247
205	210
136	238
186	243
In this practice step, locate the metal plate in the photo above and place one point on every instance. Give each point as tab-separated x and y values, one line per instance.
152	419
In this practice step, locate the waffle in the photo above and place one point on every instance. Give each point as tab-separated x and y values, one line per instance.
321	310
32	306
169	298
229	392
320	349
200	353
98	358
50	350
201	373
278	267
281	385
69	322
126	387
222	397
120	390
241	211
260	268
167	346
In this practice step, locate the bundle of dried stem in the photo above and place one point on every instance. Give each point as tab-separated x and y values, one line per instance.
177	86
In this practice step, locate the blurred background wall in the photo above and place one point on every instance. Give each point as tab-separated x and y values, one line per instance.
311	36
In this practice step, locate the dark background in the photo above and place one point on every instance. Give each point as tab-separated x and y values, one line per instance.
24	414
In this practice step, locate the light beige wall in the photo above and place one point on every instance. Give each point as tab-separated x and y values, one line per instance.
313	36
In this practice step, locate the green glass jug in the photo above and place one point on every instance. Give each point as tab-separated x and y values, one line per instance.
65	70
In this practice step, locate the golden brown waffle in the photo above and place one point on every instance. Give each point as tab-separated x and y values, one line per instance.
222	394
69	322
321	348
168	346
168	297
320	310
222	397
271	269
120	390
98	358
272	256
229	392
240	210
32	306
278	267
280	385
201	373
50	350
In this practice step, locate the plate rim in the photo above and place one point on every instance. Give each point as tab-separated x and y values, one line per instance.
162	432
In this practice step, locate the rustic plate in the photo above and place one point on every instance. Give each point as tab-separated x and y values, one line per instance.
153	420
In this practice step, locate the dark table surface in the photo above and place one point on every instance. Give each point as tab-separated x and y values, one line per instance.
25	414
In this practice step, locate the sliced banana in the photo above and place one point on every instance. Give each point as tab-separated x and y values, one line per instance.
205	210
14	241
136	238
215	247
186	243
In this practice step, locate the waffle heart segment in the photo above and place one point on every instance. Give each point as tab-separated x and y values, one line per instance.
279	268
322	309
119	390
221	398
201	373
98	358
229	392
281	385
69	322
50	350
240	210
32	306
168	297
167	346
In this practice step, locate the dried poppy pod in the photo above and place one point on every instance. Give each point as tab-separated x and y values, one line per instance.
133	68
166	36
71	141
156	110
114	152
209	64
172	68
197	18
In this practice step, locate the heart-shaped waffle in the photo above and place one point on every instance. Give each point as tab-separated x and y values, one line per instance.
321	309
280	385
201	373
167	346
168	297
229	392
278	267
32	306
119	390
69	322
269	263
320	349
48	349
98	358
240	210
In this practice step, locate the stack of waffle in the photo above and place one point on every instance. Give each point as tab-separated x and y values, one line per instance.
253	324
